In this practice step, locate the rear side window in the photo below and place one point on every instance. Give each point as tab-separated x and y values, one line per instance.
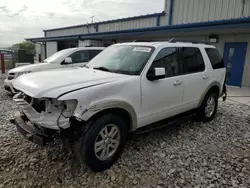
215	58
192	60
94	53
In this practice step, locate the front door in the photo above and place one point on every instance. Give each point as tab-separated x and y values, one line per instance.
162	98
234	58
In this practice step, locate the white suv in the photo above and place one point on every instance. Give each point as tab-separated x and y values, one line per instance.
68	58
124	88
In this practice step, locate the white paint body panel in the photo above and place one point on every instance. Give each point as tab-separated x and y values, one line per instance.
147	101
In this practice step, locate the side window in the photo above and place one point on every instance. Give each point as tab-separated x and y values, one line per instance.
80	56
192	60
93	53
215	58
168	59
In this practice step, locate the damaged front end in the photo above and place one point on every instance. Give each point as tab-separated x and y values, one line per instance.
37	115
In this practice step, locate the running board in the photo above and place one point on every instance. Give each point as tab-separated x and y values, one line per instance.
175	120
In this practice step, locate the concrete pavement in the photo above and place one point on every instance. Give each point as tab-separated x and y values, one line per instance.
239	95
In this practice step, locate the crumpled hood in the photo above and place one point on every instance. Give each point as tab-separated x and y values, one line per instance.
57	82
31	68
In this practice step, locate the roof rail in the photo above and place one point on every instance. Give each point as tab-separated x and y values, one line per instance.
142	41
174	40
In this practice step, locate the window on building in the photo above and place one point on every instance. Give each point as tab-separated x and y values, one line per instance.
168	59
215	58
192	60
80	56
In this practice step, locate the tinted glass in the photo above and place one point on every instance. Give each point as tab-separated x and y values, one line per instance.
192	60
124	59
80	56
93	53
168	59
215	58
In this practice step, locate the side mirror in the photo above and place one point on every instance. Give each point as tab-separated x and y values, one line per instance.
68	60
156	74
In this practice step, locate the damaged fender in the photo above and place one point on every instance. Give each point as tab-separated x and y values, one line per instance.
87	113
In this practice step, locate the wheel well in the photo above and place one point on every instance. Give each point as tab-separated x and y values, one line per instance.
214	89
123	114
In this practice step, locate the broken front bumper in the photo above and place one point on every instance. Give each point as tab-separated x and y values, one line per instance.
9	87
28	131
47	120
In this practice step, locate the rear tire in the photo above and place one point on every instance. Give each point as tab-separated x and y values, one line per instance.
102	144
208	108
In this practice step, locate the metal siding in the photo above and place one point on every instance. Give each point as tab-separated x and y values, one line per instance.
72	31
176	14
164	20
195	10
218	9
131	24
247	9
237	11
180	15
212	10
201	10
190	11
185	12
230	11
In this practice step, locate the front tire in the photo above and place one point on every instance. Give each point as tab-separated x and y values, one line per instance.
102	144
208	108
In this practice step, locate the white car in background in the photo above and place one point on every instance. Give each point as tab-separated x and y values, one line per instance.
68	58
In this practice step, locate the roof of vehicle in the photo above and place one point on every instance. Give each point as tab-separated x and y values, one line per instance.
89	48
157	44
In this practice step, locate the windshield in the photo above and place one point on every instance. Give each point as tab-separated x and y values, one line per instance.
122	59
58	56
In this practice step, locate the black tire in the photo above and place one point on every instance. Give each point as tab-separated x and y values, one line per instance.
201	111
85	147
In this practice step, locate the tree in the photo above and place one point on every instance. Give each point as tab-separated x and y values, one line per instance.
28	46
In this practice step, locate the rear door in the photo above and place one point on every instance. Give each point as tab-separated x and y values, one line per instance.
195	76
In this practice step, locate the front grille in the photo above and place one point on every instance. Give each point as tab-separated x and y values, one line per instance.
38	105
11	76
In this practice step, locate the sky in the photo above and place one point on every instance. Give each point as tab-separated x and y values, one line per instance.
20	19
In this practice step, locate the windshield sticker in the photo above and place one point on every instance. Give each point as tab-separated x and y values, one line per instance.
142	49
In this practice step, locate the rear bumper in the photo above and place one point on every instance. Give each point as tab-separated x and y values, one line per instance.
30	132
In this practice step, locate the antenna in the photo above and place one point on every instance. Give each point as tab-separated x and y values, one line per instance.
92	18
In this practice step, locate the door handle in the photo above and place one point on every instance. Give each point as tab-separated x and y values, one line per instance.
177	83
205	77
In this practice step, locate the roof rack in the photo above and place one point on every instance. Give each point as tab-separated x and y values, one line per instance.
141	41
174	40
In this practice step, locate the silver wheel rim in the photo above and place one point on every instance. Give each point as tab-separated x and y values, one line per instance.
107	142
210	106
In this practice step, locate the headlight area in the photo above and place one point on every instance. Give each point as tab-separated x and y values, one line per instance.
21	73
67	107
56	114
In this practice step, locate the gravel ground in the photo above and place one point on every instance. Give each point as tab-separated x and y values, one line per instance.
214	154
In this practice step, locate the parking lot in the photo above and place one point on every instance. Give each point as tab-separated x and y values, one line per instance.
194	154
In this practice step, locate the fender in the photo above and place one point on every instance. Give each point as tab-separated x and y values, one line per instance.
86	114
215	83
